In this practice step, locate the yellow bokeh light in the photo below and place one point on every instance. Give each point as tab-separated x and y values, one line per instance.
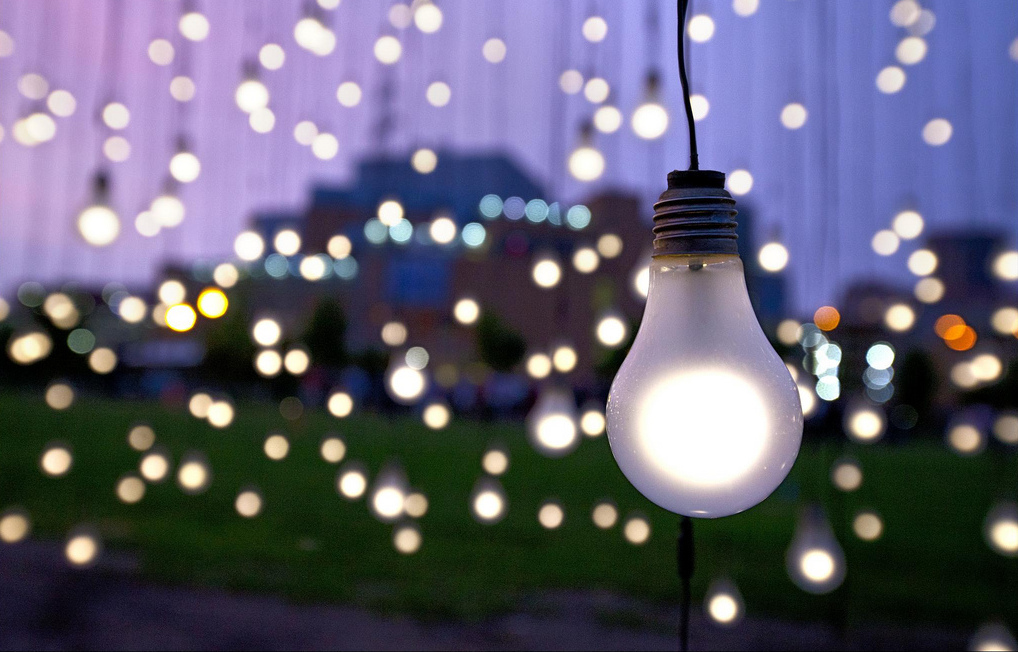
181	317
212	303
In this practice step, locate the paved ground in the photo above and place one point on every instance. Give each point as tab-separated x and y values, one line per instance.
44	605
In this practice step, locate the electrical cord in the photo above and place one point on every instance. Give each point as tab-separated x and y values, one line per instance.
694	158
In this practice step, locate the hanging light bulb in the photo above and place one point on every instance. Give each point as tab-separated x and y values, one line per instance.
703	417
184	166
723	603
552	423
99	224
586	163
167	210
815	561
650	119
388	496
251	94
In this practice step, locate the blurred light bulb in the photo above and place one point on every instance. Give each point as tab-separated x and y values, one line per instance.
815	561
650	120
488	502
99	225
251	95
723	603
586	163
552	424
1001	529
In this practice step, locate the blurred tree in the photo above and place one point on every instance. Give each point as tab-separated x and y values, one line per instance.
916	381
325	335
500	346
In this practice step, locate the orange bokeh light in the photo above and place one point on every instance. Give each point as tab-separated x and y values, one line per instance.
962	338
945	323
827	318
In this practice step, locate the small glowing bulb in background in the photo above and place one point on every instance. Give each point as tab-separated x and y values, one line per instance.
650	120
185	166
890	80
333	449
793	116
436	416
405	384
773	257
15	526
911	50
815	561
340	404
59	396
212	303
194	474
937	132
994	635
276	447
1005	428
99	225
546	272
388	50
908	225
466	311
416	505
268	363
1001	528
1005	266
249	503
586	163
571	82
607	119
612	331
352	480
865	424
438	94
287	242
161	52
130	489
595	29
605	515
592	421
220	414
636	529
296	361
154	466
141	438
272	56
586	260
394	333
266	332
740	182
551	515
181	317
495	461
551	423
723	603
868	525
194	26
388	496
251	95
564	358
494	50
406	538
249	246
966	439
538	366
427	16
82	547
488	502
56	460
424	161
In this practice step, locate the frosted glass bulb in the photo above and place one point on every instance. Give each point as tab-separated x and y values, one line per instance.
703	417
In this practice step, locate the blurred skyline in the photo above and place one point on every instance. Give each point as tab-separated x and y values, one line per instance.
823	190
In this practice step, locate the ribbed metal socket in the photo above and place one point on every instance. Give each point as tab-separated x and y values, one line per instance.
695	216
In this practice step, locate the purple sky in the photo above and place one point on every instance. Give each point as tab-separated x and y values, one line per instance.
824	189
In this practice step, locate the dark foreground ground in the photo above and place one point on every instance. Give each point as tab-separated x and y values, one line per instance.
45	605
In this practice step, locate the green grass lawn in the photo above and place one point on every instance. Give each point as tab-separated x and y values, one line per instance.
930	566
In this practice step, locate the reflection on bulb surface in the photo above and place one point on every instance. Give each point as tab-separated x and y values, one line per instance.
703	418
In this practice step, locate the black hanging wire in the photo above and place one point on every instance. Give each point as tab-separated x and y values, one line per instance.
694	159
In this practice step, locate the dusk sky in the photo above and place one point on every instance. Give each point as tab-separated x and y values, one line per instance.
823	189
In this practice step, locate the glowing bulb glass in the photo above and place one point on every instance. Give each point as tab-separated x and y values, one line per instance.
703	417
